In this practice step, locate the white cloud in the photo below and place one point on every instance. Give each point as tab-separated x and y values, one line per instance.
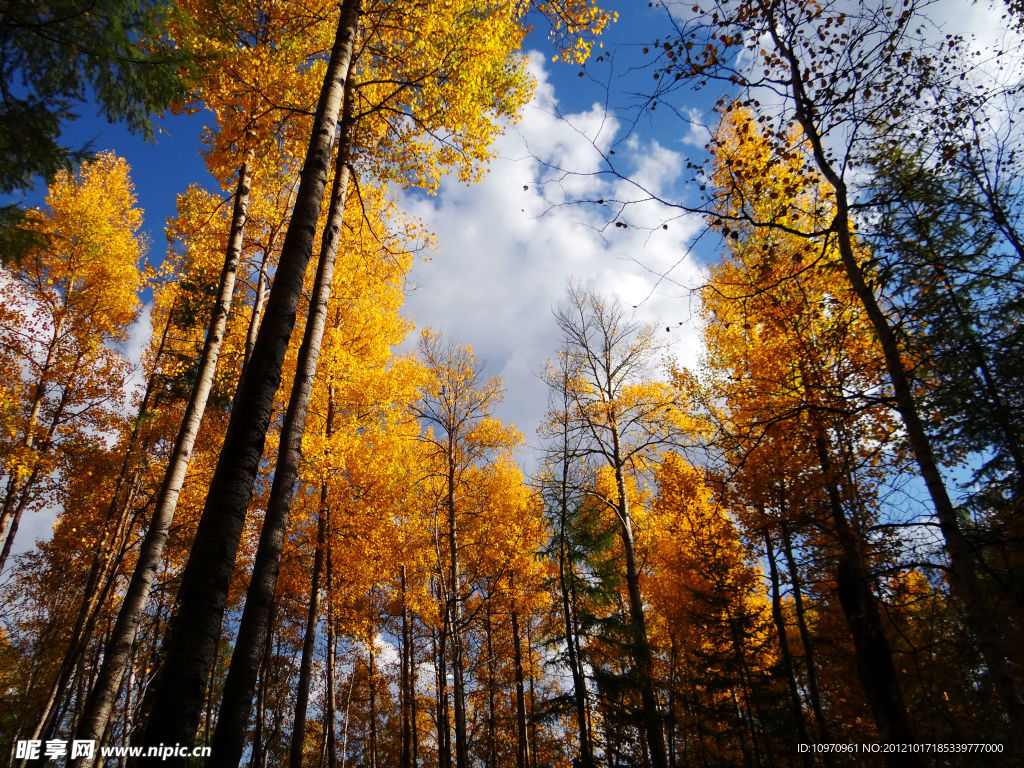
140	334
510	244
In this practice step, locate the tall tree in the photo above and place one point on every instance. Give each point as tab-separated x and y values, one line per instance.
97	709
788	361
564	501
241	681
947	260
72	298
621	419
460	439
709	600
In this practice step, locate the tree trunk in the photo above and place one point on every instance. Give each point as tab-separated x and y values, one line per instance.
534	745
257	758
258	301
331	703
673	665
784	651
444	743
579	685
372	671
522	742
406	688
455	621
492	694
175	700
810	654
752	716
15	487
641	645
348	711
309	641
413	706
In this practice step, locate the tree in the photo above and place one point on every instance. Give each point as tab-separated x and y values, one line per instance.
796	350
564	499
72	299
947	260
618	419
97	710
709	608
460	440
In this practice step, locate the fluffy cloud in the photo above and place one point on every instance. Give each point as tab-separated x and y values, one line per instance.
509	244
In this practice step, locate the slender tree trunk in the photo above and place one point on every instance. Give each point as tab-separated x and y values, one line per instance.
406	688
332	641
641	645
455	622
237	703
752	717
492	694
99	705
565	574
258	301
372	670
129	685
331	703
256	760
173	705
579	684
444	744
105	559
744	747
522	741
348	711
277	713
309	641
14	520
577	634
534	741
21	494
673	665
806	640
17	487
211	681
784	651
413	706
